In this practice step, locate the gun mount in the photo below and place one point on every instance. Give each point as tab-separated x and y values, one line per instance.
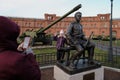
41	36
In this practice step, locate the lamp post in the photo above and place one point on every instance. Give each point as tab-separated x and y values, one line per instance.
110	54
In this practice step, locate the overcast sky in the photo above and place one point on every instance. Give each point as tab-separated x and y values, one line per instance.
37	8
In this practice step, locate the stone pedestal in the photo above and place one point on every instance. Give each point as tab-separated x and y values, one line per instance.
93	74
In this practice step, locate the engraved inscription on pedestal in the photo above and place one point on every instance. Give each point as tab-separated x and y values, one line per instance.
90	76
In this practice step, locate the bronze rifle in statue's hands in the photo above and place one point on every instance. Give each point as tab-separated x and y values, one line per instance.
85	45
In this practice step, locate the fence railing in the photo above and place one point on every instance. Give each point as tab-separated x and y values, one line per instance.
103	59
105	47
46	59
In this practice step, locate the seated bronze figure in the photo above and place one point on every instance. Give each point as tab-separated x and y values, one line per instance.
77	39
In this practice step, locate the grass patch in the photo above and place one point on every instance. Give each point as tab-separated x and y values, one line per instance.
45	50
114	43
99	51
53	50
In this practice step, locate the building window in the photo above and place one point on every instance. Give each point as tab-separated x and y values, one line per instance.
102	18
50	18
94	25
30	24
105	25
116	26
26	24
112	26
91	25
114	33
103	33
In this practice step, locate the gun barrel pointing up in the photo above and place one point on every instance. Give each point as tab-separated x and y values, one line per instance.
59	19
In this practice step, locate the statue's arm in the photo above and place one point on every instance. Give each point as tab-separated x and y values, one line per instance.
69	33
83	35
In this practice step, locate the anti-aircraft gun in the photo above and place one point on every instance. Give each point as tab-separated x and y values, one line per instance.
46	39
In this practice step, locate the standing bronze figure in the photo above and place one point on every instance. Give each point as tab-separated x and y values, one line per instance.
78	40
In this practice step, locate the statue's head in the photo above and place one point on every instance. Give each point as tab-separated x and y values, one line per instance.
78	16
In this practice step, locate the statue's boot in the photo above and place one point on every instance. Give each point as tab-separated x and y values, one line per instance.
91	54
72	65
90	59
73	58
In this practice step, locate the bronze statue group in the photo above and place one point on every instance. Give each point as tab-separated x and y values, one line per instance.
74	37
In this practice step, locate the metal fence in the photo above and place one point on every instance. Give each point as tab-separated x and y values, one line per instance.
103	59
46	59
105	47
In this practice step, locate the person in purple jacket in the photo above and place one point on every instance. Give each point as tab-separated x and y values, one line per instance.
15	65
61	41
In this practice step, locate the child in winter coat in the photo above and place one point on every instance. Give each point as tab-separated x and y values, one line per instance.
61	40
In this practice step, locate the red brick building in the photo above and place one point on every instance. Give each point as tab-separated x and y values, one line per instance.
98	24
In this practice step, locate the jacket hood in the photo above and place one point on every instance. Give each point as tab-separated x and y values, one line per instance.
9	31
